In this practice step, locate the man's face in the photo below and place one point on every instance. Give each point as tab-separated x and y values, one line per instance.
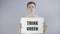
31	8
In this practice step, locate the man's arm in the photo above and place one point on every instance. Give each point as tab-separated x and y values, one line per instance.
19	28
44	27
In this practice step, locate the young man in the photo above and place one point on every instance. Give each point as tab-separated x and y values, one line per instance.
31	6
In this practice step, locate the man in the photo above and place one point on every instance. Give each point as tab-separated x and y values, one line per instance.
31	6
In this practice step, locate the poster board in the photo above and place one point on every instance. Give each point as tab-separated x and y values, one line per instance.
32	25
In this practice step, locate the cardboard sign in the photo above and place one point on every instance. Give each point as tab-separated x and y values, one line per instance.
32	25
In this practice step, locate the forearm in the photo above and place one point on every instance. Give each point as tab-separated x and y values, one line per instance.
44	27
19	28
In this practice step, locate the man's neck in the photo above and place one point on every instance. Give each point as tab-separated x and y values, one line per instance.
31	15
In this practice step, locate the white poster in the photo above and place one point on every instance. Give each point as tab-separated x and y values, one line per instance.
32	25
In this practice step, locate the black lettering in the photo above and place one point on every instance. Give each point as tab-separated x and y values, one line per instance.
32	22
32	28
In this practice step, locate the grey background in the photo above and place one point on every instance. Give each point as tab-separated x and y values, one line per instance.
12	10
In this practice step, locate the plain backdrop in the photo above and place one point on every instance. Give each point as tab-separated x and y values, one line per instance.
12	10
